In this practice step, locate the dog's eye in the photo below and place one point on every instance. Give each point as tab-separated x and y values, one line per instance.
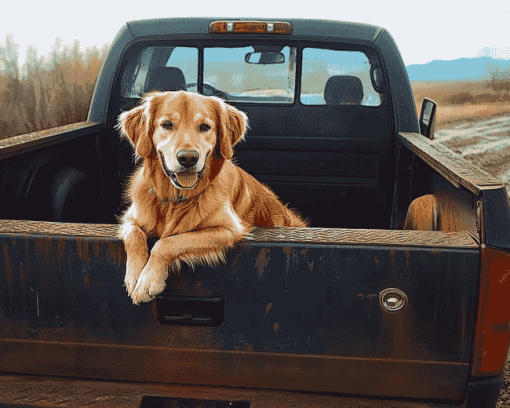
168	125
204	127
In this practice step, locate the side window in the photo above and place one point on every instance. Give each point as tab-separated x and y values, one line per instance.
162	68
334	77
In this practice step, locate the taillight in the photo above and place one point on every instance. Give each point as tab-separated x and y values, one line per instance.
492	327
250	27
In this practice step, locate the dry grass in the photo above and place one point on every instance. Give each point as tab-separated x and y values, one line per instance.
460	101
48	91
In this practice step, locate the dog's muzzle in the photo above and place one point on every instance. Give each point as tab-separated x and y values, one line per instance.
184	179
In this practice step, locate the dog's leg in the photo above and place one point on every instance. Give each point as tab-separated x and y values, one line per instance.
135	243
206	246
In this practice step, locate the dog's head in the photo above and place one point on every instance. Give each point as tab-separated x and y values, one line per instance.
183	129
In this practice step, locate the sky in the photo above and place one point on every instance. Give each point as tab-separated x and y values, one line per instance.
424	30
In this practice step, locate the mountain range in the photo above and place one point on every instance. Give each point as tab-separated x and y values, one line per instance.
459	69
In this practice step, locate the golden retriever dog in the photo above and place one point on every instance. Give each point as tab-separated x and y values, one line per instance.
187	191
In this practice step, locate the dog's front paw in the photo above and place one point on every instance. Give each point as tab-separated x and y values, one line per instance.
134	266
151	282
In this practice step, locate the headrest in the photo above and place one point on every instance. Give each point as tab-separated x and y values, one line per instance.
166	79
343	90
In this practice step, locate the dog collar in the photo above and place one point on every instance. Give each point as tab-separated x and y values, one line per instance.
175	200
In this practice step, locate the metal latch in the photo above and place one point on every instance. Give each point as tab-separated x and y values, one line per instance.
393	300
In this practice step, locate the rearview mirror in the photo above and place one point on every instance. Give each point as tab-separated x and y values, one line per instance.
428	118
266	57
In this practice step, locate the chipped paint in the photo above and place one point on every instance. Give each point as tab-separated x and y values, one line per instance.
263	259
505	276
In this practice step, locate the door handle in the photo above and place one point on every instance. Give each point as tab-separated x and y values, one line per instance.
191	310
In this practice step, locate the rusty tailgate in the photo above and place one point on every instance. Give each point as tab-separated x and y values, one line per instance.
301	311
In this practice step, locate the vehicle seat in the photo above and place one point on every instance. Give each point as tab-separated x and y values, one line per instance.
166	79
343	90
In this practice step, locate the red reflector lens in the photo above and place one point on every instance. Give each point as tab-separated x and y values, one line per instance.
492	327
250	27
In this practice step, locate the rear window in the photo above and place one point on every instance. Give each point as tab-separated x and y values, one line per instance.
254	74
251	74
334	77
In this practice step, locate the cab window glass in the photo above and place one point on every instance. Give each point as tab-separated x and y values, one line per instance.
161	68
259	74
335	77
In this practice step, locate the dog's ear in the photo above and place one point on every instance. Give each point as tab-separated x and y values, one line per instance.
136	126
232	127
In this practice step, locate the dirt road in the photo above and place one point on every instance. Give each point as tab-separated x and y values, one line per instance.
486	144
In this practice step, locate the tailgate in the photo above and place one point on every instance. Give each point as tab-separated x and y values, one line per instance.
300	311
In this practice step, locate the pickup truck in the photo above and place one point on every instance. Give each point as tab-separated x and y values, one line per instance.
355	311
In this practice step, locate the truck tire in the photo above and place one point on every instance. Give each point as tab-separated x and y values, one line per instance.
67	194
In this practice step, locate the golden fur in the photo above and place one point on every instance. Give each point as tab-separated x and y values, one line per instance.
196	224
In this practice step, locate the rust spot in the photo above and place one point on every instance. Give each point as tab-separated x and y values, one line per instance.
198	285
310	265
276	326
288	250
372	296
407	253
86	280
304	251
392	254
262	260
7	265
61	249
377	261
82	249
360	295
269	307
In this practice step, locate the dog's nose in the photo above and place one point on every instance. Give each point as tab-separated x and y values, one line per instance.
187	158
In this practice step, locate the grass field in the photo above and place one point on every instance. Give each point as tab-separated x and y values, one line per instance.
460	101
